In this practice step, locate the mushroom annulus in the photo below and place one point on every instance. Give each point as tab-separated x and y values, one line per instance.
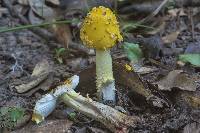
100	30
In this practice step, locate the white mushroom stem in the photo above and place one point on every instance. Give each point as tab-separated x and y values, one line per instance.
104	76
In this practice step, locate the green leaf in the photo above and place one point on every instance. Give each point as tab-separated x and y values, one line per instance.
133	51
60	60
61	50
16	114
72	116
194	59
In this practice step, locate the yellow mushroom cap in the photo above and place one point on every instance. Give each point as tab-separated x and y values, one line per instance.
100	29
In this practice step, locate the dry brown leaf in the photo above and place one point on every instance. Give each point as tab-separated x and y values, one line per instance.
177	79
33	18
40	73
177	11
39	7
173	12
171	37
192	99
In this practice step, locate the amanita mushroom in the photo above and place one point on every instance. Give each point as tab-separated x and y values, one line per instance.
100	30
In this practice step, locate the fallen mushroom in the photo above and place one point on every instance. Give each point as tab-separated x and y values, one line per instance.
47	103
100	30
110	117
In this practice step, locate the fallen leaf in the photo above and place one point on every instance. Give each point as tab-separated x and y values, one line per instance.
173	12
33	18
192	99
193	59
39	7
145	70
177	11
171	37
177	79
40	73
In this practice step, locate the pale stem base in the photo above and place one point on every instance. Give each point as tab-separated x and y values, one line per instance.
105	82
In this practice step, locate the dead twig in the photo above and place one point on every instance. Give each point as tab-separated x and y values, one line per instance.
154	13
191	22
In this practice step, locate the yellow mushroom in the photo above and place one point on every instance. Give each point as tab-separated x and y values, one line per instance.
100	30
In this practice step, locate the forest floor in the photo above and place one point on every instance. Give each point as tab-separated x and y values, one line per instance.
174	84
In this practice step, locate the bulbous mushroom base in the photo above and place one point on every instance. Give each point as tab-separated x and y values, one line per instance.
108	93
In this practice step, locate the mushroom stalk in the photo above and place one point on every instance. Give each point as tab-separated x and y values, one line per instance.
104	76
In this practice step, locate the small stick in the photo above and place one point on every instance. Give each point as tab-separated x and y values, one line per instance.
154	13
191	22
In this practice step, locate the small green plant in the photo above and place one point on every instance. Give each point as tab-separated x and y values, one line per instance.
72	116
133	52
10	115
59	54
193	59
170	5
